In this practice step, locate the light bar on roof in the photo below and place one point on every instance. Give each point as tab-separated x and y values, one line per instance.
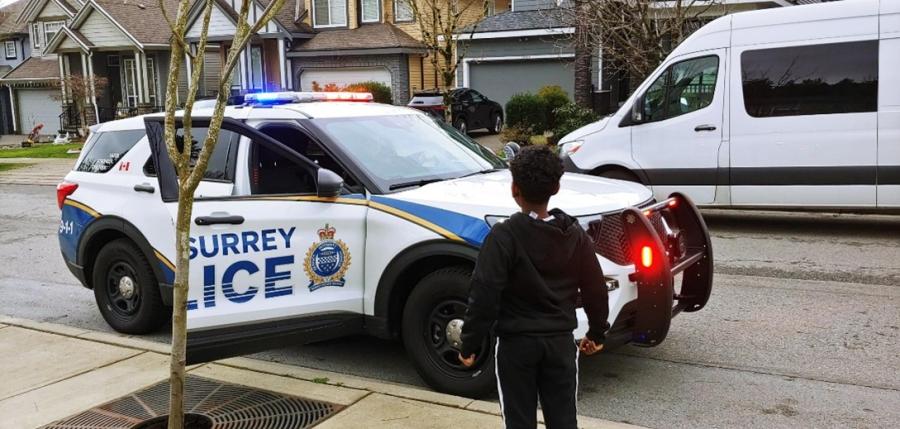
286	97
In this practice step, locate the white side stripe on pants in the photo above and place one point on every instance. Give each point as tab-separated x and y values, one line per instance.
499	389
577	352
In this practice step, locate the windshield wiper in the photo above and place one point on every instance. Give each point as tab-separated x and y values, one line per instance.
490	170
421	182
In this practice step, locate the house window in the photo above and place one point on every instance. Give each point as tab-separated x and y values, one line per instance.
329	13
36	36
370	10
256	68
129	83
10	47
151	81
402	11
51	28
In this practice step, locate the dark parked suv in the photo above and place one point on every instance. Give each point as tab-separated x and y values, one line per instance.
471	109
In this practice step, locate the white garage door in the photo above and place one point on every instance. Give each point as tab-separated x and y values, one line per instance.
343	76
38	106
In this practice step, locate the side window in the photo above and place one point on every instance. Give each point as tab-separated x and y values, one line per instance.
107	148
811	80
684	87
476	96
273	173
222	161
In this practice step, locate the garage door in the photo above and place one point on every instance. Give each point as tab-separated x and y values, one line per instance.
37	106
343	76
500	80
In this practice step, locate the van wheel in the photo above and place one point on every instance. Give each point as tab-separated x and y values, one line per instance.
126	290
439	299
619	174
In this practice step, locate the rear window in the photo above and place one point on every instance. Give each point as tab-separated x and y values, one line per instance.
220	167
107	148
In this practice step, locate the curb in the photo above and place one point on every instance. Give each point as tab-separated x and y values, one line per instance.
352	382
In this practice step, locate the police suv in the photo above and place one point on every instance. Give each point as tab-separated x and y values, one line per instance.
322	216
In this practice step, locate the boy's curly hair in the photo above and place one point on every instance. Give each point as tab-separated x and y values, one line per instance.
536	170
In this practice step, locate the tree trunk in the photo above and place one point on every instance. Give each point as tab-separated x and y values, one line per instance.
583	56
179	311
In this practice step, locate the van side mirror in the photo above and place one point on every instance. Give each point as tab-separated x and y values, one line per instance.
328	184
637	110
511	149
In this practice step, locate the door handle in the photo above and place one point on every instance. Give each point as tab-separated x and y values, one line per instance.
216	220
705	127
143	187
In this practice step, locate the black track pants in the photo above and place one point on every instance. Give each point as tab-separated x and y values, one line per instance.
529	367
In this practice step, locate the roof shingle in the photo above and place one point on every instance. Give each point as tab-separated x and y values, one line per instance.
11	25
143	20
370	36
524	20
35	68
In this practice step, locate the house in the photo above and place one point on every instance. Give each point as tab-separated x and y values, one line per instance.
317	43
532	41
14	40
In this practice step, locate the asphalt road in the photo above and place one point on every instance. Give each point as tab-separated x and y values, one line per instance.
802	330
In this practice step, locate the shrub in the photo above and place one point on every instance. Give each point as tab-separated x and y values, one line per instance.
518	134
381	93
554	97
525	111
571	117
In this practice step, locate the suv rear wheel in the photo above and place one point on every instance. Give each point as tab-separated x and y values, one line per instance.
126	290
496	123
460	125
437	301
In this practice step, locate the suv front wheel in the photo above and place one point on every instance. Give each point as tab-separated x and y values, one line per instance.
126	290
440	299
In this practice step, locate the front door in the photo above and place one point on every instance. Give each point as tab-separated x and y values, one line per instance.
270	262
678	141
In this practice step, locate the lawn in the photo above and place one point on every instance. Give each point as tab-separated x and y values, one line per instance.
7	167
41	151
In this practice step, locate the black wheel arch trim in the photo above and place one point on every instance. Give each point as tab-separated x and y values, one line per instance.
114	223
379	325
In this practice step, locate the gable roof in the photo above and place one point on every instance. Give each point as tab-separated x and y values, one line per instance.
142	21
520	20
366	37
284	18
11	25
34	7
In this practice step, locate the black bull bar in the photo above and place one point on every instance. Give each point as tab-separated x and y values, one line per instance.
667	239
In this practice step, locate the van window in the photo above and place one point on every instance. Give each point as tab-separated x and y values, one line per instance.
107	148
811	80
220	167
684	87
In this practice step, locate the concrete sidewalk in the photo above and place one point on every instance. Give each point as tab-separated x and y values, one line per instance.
40	171
51	372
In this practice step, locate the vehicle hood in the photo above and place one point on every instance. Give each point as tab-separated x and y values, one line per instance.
586	130
490	194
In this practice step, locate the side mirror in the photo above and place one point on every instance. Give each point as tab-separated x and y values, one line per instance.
637	110
511	150
328	184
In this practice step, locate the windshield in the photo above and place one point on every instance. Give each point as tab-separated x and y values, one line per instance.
401	151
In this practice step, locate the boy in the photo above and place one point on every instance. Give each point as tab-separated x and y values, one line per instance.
527	277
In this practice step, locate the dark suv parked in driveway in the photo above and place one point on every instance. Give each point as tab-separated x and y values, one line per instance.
471	109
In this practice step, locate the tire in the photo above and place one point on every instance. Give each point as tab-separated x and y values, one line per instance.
620	174
139	312
496	123
439	294
461	125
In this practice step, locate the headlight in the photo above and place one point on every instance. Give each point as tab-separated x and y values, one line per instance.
569	148
493	220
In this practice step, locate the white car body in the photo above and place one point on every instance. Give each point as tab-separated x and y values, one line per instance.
728	154
263	270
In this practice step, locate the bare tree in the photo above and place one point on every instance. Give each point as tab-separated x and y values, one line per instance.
635	35
439	22
77	90
190	170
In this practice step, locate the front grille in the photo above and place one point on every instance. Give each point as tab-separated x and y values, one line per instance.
610	240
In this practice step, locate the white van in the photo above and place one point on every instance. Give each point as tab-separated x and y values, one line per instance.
787	107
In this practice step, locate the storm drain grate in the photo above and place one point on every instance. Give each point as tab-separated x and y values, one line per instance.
228	406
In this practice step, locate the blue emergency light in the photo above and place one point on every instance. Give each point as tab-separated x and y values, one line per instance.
276	98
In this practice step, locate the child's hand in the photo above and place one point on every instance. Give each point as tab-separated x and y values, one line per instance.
589	347
467	362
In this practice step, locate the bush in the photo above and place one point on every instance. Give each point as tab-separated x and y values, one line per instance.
381	93
526	111
571	117
555	97
518	134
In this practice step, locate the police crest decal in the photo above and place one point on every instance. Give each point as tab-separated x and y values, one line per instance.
327	260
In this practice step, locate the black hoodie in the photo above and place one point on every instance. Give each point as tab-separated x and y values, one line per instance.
527	277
